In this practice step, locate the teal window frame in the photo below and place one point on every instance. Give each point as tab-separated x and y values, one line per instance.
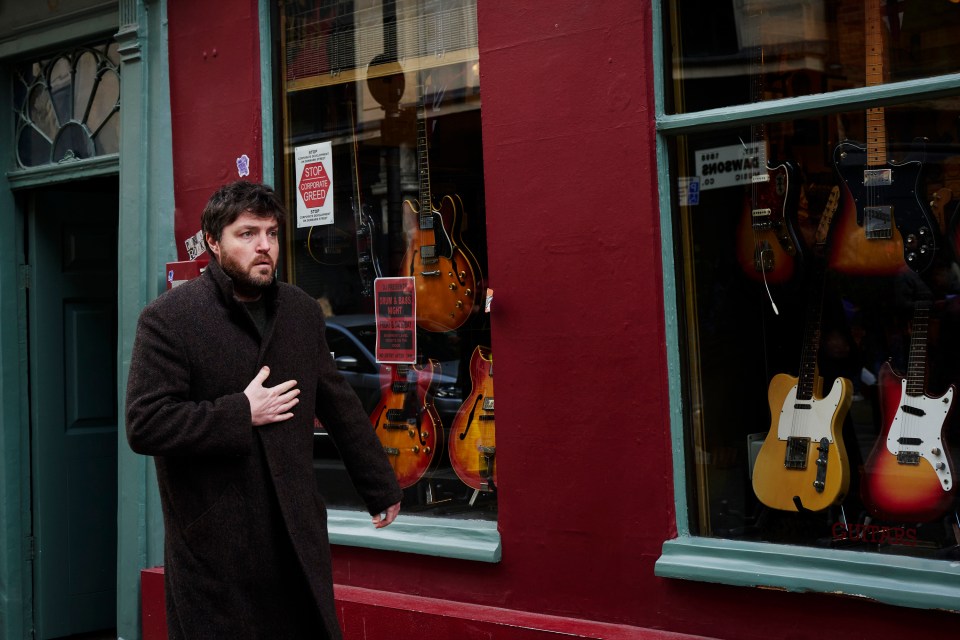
477	540
910	582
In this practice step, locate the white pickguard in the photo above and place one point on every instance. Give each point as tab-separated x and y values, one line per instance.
926	427
814	423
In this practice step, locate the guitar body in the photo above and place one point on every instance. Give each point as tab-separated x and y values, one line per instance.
909	474
445	275
766	243
406	420
472	440
788	467
880	197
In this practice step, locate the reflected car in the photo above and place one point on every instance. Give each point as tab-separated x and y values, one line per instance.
352	340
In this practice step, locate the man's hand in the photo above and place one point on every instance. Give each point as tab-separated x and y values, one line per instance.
383	519
270	404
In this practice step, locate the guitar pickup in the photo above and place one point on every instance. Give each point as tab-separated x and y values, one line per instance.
398	415
915	442
877	177
914	412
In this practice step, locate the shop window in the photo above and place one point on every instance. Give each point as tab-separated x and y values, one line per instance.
816	249
382	169
67	106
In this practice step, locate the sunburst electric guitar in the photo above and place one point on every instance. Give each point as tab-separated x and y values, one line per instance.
445	273
802	464
883	194
766	242
473	442
406	420
909	474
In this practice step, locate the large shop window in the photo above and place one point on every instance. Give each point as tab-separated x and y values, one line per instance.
384	175
815	209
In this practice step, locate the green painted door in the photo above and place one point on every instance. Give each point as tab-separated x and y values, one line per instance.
72	250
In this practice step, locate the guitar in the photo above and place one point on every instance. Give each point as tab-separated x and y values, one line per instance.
473	444
406	420
766	244
803	464
882	193
909	474
444	272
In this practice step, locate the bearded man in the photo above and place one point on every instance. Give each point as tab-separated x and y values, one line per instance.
227	374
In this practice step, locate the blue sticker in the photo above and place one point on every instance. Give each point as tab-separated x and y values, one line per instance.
243	165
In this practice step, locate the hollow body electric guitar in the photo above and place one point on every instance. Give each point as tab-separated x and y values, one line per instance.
909	474
406	420
473	444
882	193
803	464
444	271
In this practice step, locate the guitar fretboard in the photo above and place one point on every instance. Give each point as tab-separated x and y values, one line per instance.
917	362
426	206
876	127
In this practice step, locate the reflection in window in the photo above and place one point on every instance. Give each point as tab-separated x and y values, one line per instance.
384	97
68	106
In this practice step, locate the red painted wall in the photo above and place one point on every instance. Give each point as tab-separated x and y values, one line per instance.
583	445
214	102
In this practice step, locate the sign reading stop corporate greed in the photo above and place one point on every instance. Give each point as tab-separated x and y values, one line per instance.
314	164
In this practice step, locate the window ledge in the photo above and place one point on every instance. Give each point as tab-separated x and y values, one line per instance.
464	539
892	579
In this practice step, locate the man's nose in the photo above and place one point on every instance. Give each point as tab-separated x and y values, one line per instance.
263	243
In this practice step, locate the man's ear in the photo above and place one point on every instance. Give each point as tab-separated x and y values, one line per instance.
214	245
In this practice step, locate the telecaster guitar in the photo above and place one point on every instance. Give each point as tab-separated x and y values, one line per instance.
883	194
803	464
909	474
406	420
473	444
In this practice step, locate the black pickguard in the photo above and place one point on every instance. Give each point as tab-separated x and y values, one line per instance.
889	191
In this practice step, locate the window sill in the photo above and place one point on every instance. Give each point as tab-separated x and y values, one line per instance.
463	539
892	579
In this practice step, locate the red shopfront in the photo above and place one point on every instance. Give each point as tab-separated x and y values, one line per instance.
572	247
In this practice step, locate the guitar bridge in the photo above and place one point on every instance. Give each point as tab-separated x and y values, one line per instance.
796	456
878	222
908	457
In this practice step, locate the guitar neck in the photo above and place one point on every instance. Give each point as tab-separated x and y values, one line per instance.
426	202
917	360
876	126
811	335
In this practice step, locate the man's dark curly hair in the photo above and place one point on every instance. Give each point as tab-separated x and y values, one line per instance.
230	200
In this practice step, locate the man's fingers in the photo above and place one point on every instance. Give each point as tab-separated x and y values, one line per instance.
262	375
283	387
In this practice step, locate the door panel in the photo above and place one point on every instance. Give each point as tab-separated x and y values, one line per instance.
73	384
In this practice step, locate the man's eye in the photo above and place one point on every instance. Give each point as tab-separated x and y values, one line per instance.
246	234
273	234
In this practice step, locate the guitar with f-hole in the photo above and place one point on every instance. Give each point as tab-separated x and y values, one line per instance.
473	440
406	420
443	270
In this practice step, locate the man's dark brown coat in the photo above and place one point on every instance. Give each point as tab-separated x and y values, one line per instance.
246	548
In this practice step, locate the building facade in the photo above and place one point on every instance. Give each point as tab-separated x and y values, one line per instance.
712	245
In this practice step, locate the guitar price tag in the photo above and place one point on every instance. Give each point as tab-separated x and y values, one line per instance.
396	317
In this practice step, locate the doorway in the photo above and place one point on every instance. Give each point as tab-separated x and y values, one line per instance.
71	249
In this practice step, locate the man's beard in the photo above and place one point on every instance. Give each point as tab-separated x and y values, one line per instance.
245	282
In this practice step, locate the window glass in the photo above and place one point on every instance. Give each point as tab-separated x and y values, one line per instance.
67	106
744	51
383	173
821	319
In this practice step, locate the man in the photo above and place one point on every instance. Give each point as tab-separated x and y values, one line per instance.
227	373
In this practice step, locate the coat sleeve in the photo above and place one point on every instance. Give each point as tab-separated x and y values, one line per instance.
342	415
161	417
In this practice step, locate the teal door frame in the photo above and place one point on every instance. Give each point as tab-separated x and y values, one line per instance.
146	243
